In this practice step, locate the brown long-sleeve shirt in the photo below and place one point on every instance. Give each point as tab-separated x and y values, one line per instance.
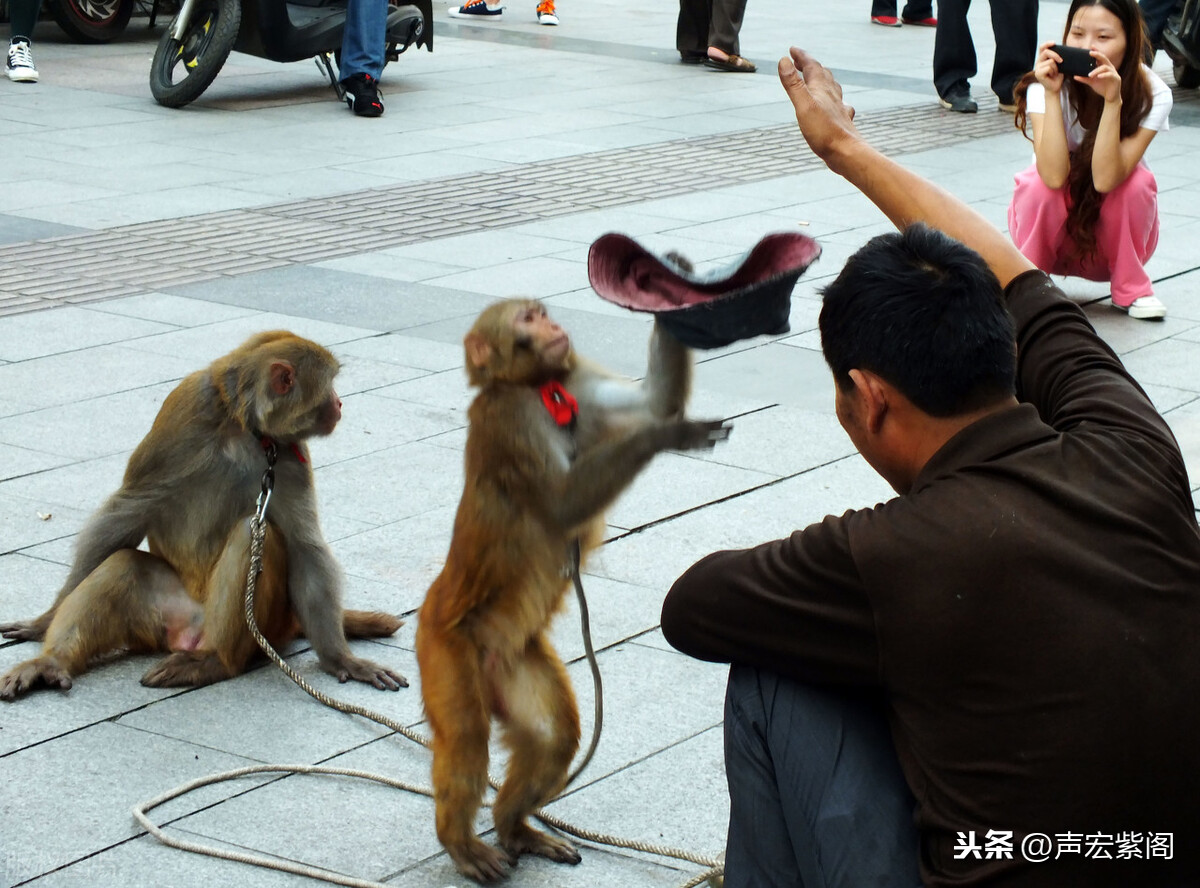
1031	609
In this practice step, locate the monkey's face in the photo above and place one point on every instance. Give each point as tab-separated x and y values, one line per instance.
533	329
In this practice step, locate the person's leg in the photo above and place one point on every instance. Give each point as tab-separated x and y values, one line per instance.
883	7
917	10
1156	13
364	42
817	799
1127	234
19	66
1014	25
726	24
691	30
954	61
1037	220
23	16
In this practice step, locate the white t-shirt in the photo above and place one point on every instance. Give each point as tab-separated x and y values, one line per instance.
1156	117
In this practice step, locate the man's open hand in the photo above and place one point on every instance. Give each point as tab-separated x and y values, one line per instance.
826	122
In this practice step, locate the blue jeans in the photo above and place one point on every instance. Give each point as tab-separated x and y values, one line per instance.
364	42
817	799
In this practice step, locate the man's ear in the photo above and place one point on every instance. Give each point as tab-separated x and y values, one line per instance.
874	396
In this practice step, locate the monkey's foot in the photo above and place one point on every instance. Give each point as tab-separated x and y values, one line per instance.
25	676
527	840
24	630
480	861
372	673
185	669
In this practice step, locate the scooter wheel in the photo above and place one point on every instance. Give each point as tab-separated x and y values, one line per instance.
91	21
1186	76
183	69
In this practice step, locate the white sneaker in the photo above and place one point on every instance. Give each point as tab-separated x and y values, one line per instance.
1144	308
20	66
546	14
476	9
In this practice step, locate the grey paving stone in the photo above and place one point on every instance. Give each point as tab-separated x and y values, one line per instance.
99	695
537	277
262	715
656	557
69	491
403	556
26	522
331	296
145	863
617	612
27	586
676	798
371	423
1173	362
353	826
62	379
675	483
203	345
393	484
103	770
101	426
448	390
410	351
679	696
16	461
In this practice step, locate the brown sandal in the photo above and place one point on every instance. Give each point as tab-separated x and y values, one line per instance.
734	63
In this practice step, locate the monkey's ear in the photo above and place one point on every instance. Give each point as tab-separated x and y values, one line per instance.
479	350
283	377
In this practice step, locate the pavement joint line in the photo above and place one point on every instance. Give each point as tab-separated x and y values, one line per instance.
138	258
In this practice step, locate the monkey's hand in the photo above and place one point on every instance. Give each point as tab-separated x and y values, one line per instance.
372	673
25	630
697	434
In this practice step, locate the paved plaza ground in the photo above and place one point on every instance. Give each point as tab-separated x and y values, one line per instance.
138	243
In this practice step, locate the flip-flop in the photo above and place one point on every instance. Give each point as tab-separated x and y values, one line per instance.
734	63
751	297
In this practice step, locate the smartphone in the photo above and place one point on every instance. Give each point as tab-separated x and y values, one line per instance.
1075	61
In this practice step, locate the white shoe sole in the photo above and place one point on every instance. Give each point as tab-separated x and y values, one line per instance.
493	12
23	76
545	19
1143	313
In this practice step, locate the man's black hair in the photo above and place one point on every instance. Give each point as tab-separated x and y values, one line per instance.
925	313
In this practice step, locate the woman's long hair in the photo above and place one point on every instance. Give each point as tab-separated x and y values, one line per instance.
1084	199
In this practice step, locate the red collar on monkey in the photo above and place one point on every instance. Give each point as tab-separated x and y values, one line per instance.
562	406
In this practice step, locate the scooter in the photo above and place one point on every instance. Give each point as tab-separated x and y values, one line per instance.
198	41
1181	41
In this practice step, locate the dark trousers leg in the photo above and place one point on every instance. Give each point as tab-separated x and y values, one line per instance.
726	24
1156	13
883	7
817	799
953	52
23	15
1014	24
691	31
917	9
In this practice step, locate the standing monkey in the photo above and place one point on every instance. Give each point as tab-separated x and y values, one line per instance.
189	488
552	441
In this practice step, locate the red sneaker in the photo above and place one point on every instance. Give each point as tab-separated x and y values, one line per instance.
930	22
888	21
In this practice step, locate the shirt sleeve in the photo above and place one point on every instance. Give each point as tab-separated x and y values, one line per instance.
1072	375
795	606
1035	99
1158	117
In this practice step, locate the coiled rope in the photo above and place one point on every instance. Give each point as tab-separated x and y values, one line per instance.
714	874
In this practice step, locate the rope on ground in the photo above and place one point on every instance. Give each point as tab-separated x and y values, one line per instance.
257	535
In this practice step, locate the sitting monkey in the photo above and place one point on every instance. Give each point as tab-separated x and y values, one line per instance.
552	441
189	488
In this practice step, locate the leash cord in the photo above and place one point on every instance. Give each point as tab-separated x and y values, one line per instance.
257	537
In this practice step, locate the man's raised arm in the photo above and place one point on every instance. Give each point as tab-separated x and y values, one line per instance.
903	196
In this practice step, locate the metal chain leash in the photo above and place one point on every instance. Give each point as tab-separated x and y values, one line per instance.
714	875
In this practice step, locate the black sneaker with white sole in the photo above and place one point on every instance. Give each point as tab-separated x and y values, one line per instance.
959	99
20	67
362	95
